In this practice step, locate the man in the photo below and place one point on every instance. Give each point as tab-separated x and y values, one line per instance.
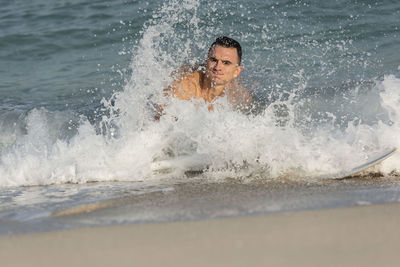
217	78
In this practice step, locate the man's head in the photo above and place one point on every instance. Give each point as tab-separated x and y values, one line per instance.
223	61
227	42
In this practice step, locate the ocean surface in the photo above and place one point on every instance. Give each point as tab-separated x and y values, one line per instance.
79	80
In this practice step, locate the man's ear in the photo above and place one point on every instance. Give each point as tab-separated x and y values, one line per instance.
238	70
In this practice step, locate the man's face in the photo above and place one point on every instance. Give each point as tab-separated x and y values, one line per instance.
223	65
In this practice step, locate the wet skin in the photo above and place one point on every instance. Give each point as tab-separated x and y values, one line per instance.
217	80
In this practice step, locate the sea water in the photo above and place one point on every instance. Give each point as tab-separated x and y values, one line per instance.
79	80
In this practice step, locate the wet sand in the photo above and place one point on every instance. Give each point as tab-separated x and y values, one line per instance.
355	236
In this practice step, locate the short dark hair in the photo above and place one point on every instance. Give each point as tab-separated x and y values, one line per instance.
229	43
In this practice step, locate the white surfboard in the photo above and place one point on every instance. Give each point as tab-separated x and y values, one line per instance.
200	162
358	169
195	162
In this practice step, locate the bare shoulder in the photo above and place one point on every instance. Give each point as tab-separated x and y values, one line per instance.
187	72
185	83
186	69
238	91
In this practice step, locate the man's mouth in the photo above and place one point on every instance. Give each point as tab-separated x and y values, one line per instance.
217	74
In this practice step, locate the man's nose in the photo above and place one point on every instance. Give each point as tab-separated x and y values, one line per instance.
218	64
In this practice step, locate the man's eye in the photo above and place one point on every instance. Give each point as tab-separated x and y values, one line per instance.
213	59
226	62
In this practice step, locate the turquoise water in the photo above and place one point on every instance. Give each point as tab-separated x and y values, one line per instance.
77	78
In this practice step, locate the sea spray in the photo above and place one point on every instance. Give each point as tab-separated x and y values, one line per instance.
312	83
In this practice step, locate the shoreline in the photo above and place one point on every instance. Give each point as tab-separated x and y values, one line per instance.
356	236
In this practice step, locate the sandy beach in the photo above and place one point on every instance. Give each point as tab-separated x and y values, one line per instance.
355	236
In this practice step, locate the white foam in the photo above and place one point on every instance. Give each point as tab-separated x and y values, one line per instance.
238	145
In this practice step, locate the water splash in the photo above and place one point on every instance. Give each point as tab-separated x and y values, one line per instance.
310	113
